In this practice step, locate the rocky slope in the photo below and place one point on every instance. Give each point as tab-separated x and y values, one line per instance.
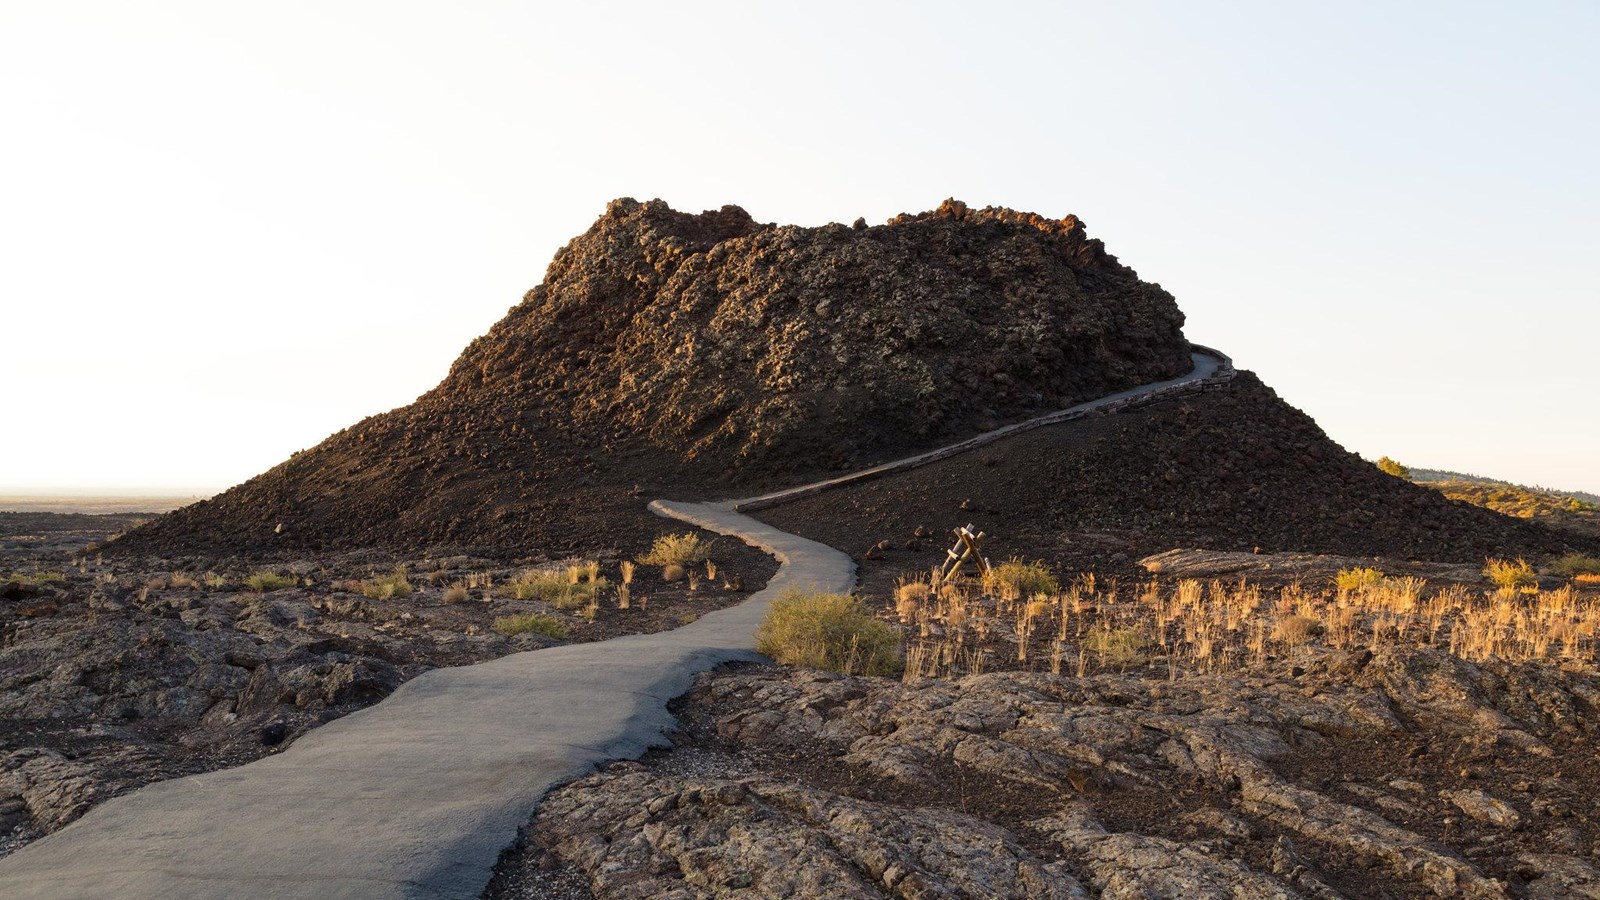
1336	774
1230	469
692	351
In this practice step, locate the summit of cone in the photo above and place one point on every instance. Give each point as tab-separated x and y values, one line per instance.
710	353
761	349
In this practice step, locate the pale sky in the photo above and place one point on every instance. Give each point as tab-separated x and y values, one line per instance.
230	229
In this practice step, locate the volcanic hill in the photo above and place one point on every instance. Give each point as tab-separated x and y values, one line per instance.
703	354
670	354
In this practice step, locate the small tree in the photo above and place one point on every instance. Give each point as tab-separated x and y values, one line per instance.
1390	467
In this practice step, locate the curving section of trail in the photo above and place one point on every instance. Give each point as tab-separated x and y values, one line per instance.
416	796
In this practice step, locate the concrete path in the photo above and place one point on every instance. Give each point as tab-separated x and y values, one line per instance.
416	796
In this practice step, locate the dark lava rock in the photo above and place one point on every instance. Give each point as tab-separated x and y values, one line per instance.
665	348
273	734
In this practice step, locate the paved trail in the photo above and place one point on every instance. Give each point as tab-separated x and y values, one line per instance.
416	796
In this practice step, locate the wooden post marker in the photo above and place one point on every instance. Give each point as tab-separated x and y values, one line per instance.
969	545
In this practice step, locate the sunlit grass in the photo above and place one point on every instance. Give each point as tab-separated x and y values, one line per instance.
828	631
534	622
959	628
392	586
567	588
264	580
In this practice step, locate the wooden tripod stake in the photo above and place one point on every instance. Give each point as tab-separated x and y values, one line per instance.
970	546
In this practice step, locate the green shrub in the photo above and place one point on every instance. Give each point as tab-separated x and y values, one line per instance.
828	631
1508	575
566	589
263	580
685	550
1357	579
392	586
1575	564
1015	580
538	623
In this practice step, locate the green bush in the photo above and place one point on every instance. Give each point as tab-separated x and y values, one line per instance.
828	631
684	550
537	623
1575	564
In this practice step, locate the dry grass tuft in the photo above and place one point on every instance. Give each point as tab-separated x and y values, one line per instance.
264	580
537	623
686	549
456	593
1508	575
183	581
393	586
1014	580
828	631
568	588
625	589
1118	647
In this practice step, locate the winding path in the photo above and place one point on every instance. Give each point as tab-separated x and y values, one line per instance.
416	796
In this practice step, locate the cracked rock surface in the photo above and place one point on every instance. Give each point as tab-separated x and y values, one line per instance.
1401	773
